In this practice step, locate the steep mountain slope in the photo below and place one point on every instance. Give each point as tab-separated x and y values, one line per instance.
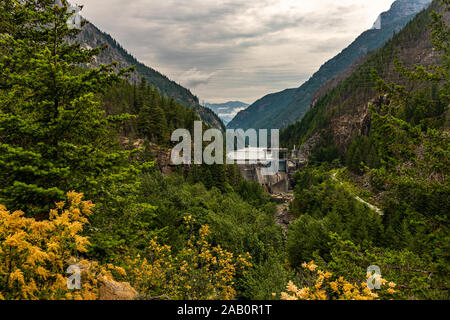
228	110
385	130
260	113
92	37
210	117
280	109
342	112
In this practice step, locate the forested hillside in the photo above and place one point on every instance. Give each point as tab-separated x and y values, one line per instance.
381	137
201	233
343	110
82	188
267	107
92	37
278	110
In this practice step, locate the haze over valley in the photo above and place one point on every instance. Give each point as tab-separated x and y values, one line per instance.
125	173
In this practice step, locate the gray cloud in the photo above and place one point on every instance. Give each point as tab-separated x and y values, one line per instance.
193	78
231	114
234	49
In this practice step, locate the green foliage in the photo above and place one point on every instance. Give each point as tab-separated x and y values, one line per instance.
414	151
325	151
155	117
252	192
405	158
325	206
226	178
416	276
152	124
236	225
306	236
158	206
359	87
59	130
278	110
54	134
362	152
167	88
266	278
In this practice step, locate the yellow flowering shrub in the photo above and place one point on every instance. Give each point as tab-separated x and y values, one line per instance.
323	286
34	255
198	271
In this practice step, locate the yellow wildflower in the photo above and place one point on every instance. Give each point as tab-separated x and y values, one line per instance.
334	286
391	291
312	266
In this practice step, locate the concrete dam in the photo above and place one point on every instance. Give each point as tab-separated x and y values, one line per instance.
254	162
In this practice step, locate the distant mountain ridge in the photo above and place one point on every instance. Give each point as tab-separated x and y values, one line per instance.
280	109
93	37
341	108
402	8
228	110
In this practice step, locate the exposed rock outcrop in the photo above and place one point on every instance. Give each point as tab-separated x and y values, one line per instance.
278	110
113	290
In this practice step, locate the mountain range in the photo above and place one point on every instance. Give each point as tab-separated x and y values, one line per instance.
228	110
280	109
340	108
93	37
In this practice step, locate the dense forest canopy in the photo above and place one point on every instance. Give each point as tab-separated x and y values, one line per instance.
74	194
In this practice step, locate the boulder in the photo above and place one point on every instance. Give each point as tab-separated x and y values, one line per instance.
113	290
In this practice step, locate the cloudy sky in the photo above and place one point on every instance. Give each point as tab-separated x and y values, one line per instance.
234	49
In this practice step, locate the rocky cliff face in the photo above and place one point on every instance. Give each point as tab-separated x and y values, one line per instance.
278	110
401	9
341	106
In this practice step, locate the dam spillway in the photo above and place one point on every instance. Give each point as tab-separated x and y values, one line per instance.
254	162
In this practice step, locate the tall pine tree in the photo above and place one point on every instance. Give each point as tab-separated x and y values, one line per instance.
54	136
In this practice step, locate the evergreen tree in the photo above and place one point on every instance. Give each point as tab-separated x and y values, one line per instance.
414	151
143	122
158	125
356	160
54	136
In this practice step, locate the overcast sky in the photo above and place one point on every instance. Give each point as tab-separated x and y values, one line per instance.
234	49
